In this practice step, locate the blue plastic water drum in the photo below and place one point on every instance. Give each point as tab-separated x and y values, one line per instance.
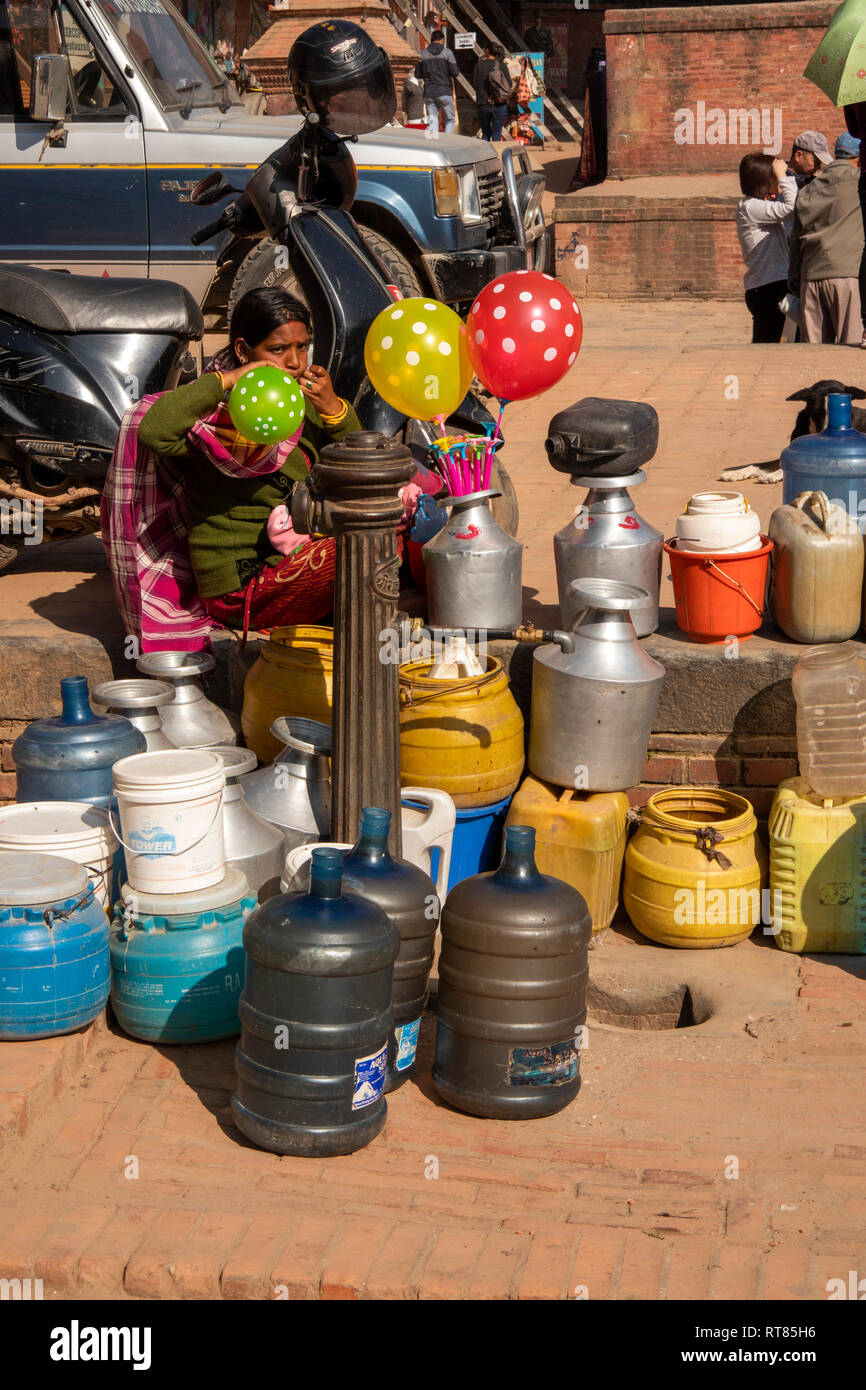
177	961
477	843
54	964
833	461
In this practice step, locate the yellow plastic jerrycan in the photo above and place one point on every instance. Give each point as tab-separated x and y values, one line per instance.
293	675
579	837
694	868
463	736
817	891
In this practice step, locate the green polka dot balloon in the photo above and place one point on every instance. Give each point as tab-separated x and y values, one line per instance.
416	358
266	405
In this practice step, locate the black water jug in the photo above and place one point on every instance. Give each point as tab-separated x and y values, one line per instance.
602	438
512	989
315	1018
407	895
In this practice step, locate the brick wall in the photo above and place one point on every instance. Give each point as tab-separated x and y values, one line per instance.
585	32
660	61
662	248
751	765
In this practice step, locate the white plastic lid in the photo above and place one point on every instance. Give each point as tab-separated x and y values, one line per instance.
191	765
49	820
229	890
38	878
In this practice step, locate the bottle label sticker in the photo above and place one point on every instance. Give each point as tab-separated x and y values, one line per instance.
406	1037
369	1078
544	1066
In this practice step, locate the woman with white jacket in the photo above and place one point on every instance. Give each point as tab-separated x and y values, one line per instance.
764	228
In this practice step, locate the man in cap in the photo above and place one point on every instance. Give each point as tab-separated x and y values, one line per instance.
808	156
827	247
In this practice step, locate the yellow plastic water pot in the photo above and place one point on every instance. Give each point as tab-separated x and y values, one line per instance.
817	891
694	868
579	837
463	737
293	675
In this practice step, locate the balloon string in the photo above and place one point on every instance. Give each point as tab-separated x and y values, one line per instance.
491	443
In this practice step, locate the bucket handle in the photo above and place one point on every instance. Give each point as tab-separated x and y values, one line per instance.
759	608
172	853
49	916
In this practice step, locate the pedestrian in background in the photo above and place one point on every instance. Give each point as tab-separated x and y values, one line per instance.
809	155
437	68
827	248
492	83
763	224
855	120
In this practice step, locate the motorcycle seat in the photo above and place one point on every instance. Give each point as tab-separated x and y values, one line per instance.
62	303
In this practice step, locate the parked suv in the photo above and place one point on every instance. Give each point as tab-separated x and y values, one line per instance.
103	188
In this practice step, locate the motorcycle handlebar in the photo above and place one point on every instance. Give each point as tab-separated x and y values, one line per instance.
205	233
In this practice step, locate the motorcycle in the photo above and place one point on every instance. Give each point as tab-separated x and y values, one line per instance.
76	351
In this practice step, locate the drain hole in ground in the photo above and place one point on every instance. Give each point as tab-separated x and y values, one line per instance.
656	1010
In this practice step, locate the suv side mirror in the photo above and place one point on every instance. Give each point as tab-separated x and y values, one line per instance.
49	87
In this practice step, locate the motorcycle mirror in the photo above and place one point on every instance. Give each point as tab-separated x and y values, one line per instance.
211	190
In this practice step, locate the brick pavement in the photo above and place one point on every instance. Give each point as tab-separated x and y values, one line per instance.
694	1164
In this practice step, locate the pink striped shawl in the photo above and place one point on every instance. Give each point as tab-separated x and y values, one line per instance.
144	531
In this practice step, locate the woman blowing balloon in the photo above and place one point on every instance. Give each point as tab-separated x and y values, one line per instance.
194	516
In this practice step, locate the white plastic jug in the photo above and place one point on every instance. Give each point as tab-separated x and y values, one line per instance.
428	824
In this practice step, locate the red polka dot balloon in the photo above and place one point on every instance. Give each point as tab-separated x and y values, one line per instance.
523	333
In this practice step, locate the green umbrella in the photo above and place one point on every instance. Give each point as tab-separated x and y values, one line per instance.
838	65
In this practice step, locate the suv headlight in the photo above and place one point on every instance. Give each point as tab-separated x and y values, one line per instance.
455	193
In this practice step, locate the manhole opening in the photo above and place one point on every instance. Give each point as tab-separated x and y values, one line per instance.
654	1010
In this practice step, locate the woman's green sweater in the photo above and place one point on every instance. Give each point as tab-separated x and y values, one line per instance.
228	542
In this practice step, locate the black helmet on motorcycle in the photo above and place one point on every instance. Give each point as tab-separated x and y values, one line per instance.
339	72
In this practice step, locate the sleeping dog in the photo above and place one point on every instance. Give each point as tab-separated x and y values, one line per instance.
812	419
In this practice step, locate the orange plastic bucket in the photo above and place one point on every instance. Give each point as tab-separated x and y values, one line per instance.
719	595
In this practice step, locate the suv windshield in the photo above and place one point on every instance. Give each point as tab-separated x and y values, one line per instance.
178	69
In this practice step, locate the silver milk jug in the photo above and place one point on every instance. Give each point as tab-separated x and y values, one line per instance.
594	696
607	539
191	720
473	568
294	791
142	703
253	845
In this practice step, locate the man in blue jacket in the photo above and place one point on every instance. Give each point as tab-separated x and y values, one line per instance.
437	68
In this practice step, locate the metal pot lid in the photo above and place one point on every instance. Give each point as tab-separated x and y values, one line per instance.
308	735
237	761
176	664
605	484
610	594
39	878
133	694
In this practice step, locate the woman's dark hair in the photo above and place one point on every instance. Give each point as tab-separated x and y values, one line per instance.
497	51
756	175
259	314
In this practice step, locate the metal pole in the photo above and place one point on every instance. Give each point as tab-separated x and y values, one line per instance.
353	494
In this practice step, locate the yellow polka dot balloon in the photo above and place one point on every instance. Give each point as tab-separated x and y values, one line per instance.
416	358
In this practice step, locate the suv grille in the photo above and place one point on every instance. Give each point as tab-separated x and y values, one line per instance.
491	192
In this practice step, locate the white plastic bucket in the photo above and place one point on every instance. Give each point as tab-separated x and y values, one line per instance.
718	523
171	826
68	830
